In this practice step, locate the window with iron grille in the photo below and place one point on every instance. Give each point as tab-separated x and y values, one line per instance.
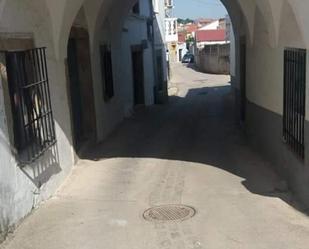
33	123
295	100
107	72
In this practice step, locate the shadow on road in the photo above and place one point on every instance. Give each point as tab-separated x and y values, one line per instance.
201	128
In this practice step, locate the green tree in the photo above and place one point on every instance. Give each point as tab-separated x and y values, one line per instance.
185	21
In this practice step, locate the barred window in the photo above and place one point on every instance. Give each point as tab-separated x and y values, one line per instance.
33	123
295	100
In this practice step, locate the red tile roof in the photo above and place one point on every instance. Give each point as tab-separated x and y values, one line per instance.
191	28
210	35
181	37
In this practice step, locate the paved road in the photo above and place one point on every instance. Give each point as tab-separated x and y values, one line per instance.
189	152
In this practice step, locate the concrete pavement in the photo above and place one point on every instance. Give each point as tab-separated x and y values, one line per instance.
190	152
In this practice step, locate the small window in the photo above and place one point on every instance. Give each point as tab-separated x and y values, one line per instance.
295	100
136	9
174	27
170	29
107	72
33	123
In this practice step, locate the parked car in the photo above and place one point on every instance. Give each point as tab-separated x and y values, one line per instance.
188	58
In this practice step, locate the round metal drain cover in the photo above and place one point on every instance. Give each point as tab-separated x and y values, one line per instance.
169	213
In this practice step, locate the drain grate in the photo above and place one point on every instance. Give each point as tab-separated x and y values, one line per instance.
169	213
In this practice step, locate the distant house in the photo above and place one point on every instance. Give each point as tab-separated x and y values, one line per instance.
216	24
144	53
208	37
182	37
222	23
171	37
203	22
212	51
191	28
211	26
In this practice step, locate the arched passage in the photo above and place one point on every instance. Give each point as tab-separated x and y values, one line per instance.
263	29
242	14
255	24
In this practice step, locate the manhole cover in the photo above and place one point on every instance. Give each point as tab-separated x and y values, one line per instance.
169	213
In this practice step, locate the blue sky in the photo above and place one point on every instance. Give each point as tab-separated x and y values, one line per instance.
199	8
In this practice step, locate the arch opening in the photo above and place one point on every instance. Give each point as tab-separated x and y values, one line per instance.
80	31
80	83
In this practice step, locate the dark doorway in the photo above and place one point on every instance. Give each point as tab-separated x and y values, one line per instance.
138	75
159	59
75	93
180	55
243	98
80	88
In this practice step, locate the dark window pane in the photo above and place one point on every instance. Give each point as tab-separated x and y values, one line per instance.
107	72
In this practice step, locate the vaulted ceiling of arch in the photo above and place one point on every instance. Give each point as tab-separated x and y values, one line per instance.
275	9
63	13
2	4
300	8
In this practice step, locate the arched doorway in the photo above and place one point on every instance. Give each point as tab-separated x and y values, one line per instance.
80	86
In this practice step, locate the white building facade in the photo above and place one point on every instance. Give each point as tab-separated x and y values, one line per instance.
143	49
171	32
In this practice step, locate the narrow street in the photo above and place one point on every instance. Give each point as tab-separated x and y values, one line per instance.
191	152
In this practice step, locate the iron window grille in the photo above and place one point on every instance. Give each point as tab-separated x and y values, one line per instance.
107	72
295	100
33	123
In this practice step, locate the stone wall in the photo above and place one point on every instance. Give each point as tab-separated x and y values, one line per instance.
214	59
